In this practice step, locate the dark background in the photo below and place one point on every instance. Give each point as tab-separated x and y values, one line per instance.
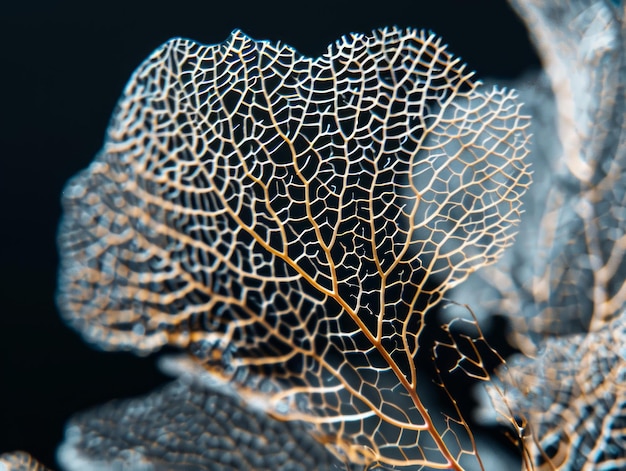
63	66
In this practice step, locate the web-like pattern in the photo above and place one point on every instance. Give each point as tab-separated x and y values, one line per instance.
280	216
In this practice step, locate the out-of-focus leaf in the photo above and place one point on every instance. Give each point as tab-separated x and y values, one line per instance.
569	315
20	461
189	425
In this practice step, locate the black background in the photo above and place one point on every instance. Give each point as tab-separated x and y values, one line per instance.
63	65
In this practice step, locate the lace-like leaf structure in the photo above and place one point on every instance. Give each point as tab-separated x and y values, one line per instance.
280	216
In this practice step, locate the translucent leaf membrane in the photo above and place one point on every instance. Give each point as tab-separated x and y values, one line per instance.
280	216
